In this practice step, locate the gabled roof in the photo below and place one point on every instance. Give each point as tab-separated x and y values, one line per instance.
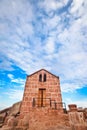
44	70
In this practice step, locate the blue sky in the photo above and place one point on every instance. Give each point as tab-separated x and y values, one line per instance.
49	34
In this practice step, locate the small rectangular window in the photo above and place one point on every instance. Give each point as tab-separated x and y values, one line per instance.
40	77
44	77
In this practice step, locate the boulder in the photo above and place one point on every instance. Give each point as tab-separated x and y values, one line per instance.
15	109
8	115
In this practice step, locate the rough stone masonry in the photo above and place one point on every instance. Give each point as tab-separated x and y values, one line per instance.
42	100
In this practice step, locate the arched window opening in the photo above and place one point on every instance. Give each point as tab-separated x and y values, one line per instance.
40	77
44	77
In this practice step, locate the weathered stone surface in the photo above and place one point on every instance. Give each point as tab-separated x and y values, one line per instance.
45	113
33	85
42	119
72	107
59	128
15	109
8	116
3	115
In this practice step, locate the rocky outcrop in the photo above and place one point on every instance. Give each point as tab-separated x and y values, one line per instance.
3	115
38	119
15	109
9	116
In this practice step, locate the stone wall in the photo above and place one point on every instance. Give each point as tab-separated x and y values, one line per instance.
32	86
77	118
48	119
48	115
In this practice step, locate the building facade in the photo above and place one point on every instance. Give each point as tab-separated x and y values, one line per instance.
42	100
42	89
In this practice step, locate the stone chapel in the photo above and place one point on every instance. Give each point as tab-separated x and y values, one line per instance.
42	90
42	100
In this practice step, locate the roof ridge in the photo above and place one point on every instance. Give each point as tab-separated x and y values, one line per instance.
41	70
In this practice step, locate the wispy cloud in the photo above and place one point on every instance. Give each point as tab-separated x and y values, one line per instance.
16	80
48	34
53	5
76	5
79	103
15	94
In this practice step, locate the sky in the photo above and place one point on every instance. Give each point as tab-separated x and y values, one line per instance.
43	34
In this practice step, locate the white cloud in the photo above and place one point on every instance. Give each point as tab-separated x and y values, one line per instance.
10	76
72	54
15	94
10	97
78	10
50	45
16	80
76	5
80	103
69	87
5	64
51	23
31	40
13	9
3	106
48	5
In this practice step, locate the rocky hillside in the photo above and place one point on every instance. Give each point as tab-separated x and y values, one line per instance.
9	113
72	120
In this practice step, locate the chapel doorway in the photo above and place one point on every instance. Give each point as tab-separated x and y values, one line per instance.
42	97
